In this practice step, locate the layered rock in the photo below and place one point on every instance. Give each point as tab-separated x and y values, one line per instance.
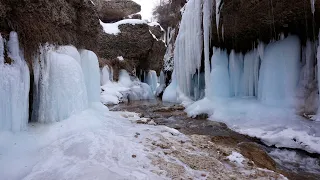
115	10
55	21
140	46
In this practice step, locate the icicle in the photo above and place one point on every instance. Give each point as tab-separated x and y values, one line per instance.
219	77
188	46
219	4
1	50
207	12
312	6
14	87
318	74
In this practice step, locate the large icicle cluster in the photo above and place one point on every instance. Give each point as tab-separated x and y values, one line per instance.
65	82
188	46
14	86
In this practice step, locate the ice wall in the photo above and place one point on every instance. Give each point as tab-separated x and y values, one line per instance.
90	69
60	87
251	73
188	46
219	85
152	79
14	86
236	73
106	75
279	72
170	93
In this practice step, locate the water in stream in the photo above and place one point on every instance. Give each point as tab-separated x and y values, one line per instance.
294	164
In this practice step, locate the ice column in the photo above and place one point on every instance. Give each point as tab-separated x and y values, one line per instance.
207	14
188	46
14	87
279	72
59	86
219	85
236	73
90	69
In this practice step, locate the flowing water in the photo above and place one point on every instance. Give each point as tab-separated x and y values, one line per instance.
294	164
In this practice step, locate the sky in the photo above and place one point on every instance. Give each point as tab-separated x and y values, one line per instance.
146	7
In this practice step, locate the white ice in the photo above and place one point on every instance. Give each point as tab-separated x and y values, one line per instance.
127	88
152	79
170	93
188	46
236	158
219	85
90	69
279	72
60	87
14	87
120	58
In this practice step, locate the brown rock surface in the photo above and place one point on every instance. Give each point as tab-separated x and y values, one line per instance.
115	10
253	152
136	44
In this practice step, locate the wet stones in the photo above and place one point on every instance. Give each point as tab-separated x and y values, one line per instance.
255	153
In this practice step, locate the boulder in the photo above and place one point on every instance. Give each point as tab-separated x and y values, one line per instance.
138	47
115	10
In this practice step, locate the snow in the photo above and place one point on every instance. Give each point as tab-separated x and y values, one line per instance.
295	161
60	88
113	28
93	144
120	58
236	158
14	87
127	88
91	72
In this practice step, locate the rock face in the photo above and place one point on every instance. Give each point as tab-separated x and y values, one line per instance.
55	21
245	22
115	10
138	47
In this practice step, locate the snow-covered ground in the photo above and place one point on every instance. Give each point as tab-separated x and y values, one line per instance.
95	144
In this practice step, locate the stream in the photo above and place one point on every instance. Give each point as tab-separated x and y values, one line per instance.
294	164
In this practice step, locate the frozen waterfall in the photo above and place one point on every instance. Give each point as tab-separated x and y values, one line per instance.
279	72
188	46
14	86
60	88
90	69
